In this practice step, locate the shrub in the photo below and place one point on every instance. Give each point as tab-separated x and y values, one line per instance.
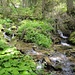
36	31
6	22
3	45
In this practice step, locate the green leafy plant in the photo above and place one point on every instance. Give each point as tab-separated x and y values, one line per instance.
14	63
35	32
6	22
3	44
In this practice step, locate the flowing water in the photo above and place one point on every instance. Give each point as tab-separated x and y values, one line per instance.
7	37
61	34
57	58
64	39
61	58
62	61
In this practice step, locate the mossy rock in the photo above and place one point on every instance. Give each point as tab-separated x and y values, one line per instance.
72	38
13	28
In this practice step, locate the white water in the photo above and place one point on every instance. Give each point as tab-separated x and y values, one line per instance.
39	65
61	35
13	35
65	44
33	52
6	37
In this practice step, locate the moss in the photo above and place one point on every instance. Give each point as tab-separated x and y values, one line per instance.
72	38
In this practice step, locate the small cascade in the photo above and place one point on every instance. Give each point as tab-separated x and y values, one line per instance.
7	37
10	36
65	44
64	39
13	35
61	35
39	65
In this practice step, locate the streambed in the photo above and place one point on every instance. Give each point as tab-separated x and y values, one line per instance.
58	60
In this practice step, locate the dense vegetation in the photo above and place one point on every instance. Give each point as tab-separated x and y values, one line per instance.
12	62
32	21
36	32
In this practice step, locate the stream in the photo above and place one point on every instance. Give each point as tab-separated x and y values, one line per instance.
56	60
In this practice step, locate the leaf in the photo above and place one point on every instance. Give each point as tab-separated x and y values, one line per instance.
7	64
2	71
25	73
15	72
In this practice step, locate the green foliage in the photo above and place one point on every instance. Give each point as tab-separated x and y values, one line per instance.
25	11
6	22
21	13
61	8
3	44
72	37
36	31
14	63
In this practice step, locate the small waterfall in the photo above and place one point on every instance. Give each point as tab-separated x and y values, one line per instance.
64	39
61	34
6	37
13	35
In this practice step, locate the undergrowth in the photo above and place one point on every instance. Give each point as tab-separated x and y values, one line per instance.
14	63
6	22
36	32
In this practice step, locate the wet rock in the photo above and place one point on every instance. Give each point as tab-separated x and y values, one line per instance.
73	53
34	47
52	65
56	40
47	60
